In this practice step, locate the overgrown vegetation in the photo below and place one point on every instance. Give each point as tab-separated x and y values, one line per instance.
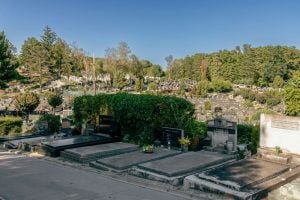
248	134
10	126
53	122
140	116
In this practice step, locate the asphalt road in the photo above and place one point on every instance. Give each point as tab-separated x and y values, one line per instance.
24	178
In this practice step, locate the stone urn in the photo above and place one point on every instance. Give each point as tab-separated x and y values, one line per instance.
185	148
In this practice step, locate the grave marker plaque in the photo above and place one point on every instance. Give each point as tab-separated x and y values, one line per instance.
170	136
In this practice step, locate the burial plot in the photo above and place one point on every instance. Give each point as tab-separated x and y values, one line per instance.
13	144
53	148
107	125
91	153
245	179
170	137
173	169
125	161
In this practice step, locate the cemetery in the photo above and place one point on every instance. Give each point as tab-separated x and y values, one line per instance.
114	143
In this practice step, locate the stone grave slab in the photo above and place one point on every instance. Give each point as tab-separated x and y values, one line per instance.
245	179
53	148
172	170
185	163
15	143
91	153
127	160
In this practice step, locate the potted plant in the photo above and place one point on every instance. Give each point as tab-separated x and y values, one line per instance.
184	142
148	149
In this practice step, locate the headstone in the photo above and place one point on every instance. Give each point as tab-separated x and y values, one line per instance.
280	131
170	136
222	133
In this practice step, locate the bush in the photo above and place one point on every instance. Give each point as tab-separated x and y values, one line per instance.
220	85
248	134
152	86
207	106
55	100
53	122
27	102
10	125
138	115
202	88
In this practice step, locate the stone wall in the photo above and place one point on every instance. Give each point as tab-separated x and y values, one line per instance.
281	131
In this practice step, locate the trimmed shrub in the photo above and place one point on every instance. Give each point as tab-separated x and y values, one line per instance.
207	106
139	116
10	125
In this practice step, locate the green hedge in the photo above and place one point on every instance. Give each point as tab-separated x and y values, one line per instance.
10	125
140	116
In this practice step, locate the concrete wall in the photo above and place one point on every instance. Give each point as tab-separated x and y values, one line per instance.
280	131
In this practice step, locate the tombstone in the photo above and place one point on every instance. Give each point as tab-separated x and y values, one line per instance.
280	132
107	125
43	127
66	126
222	133
170	137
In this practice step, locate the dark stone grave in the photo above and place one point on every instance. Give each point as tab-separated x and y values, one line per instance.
107	125
91	153
125	161
53	148
173	169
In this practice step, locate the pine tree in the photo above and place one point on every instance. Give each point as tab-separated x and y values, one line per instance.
7	67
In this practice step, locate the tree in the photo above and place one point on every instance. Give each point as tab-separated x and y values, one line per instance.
202	88
292	96
139	84
34	58
54	101
61	58
278	82
27	102
7	66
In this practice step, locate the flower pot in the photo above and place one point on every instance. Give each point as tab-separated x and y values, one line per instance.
185	149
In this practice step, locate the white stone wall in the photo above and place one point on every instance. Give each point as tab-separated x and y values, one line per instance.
282	131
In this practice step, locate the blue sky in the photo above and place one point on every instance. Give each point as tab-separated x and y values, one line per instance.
155	28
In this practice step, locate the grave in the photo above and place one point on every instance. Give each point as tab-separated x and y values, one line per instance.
221	135
92	153
14	144
54	147
107	125
277	162
173	169
125	161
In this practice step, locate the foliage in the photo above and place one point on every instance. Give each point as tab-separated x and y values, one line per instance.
196	128
278	82
220	85
207	105
292	96
55	100
278	150
202	88
184	141
53	122
248	134
27	102
10	125
148	148
261	66
139	85
7	65
152	86
138	115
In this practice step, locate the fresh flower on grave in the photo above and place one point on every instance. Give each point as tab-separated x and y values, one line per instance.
148	148
185	141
